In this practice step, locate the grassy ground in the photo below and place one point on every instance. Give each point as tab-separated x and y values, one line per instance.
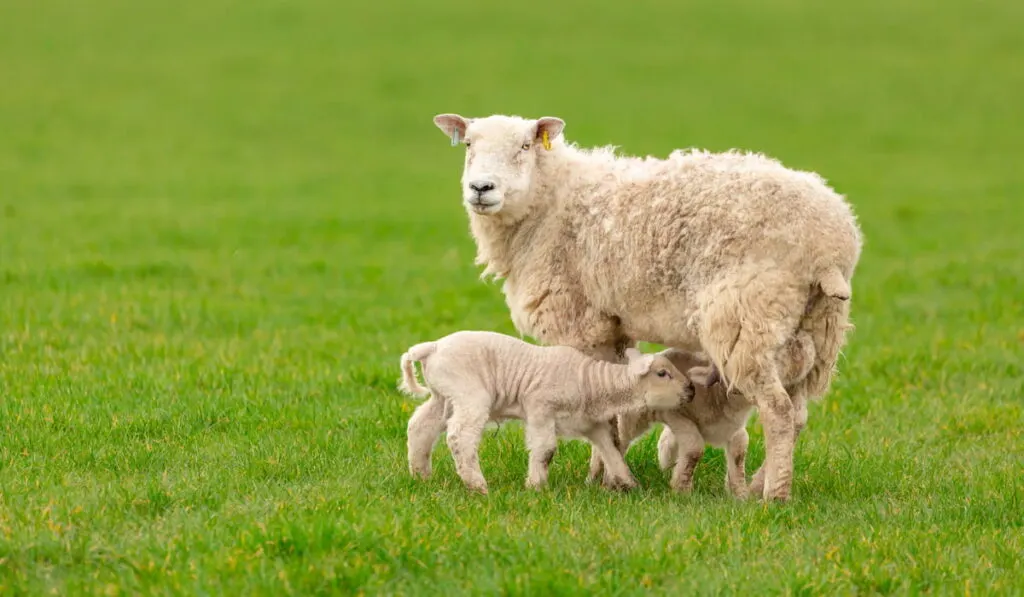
222	222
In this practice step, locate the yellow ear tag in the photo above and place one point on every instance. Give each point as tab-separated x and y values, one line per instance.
545	141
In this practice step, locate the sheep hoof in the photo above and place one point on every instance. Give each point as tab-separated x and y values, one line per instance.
740	493
477	488
775	494
534	485
619	484
757	483
683	489
420	473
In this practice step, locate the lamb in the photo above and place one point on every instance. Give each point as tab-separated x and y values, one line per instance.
716	416
474	377
724	253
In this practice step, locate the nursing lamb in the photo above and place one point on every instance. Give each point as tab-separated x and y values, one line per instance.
474	377
728	253
716	416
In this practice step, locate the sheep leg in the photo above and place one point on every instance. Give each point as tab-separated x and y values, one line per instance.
747	320
613	353
425	428
777	420
628	426
735	461
668	448
596	466
690	450
799	422
541	441
616	474
631	426
465	429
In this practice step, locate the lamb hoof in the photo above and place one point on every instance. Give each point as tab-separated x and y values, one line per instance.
774	493
684	488
420	473
535	485
740	493
477	487
757	483
619	484
777	497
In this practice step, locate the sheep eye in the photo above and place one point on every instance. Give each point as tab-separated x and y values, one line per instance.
467	143
526	146
663	373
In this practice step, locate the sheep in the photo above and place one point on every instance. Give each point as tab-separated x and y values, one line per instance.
724	253
475	377
716	416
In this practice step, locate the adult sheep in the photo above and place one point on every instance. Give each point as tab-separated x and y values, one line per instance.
729	253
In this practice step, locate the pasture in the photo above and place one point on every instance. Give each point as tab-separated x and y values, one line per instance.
222	222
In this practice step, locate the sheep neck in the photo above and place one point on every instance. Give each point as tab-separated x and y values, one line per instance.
496	240
608	388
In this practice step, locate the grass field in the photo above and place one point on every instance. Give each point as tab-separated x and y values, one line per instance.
222	222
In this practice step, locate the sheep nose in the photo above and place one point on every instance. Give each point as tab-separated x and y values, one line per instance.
481	186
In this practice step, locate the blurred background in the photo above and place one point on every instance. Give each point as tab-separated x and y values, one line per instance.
221	222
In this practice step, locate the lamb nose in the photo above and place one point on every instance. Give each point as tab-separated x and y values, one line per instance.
481	186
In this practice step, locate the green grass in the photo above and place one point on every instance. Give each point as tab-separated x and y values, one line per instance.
222	222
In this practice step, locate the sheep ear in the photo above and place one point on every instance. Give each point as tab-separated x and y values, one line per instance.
704	376
684	359
452	125
552	126
641	365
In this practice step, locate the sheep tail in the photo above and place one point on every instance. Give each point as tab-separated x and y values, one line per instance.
827	322
410	385
834	284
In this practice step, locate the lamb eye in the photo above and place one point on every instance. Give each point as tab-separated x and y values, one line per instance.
526	146
663	373
467	144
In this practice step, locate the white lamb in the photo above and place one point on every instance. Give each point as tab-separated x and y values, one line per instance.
728	253
475	377
716	416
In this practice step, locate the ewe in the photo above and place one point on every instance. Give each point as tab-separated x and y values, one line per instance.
728	253
475	377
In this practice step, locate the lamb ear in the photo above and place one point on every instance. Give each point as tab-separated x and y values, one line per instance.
450	124
706	376
641	365
551	125
632	354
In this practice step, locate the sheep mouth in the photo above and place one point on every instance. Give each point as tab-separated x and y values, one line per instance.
482	206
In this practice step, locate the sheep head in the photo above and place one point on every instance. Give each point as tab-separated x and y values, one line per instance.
698	366
501	156
662	384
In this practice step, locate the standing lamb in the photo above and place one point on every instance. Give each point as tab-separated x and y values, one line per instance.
716	416
728	253
474	377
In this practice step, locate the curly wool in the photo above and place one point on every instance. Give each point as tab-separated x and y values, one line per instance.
726	253
615	249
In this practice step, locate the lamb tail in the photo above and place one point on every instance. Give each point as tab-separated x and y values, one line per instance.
410	385
834	284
